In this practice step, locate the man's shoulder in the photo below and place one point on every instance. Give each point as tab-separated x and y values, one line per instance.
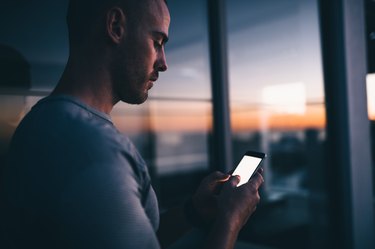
65	123
64	115
57	131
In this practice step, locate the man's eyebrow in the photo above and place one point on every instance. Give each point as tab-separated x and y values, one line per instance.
161	34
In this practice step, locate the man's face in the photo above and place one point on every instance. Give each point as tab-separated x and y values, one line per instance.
141	55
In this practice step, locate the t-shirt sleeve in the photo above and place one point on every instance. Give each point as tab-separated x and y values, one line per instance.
101	207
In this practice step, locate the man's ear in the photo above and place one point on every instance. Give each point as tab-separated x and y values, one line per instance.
115	24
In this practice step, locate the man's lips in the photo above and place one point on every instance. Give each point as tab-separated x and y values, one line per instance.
154	77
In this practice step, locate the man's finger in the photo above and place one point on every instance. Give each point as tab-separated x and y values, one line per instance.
256	180
260	171
218	176
223	179
234	180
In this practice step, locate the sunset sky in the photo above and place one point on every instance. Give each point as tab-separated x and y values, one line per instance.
196	117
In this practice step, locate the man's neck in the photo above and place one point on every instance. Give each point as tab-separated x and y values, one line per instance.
90	84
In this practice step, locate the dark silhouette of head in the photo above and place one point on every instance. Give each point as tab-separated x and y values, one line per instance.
14	69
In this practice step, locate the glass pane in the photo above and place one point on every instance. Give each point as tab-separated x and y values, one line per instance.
277	107
187	53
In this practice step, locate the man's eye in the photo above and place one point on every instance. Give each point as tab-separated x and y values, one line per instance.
157	44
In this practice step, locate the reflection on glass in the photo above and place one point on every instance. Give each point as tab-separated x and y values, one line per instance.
277	107
370	84
292	100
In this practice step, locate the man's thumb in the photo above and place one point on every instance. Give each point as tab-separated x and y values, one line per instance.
234	180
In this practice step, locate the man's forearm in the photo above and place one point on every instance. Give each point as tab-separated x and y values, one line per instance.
173	225
223	235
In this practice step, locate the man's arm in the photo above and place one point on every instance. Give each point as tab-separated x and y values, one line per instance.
101	208
173	225
226	213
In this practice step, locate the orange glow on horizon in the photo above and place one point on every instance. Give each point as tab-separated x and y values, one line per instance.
197	118
314	117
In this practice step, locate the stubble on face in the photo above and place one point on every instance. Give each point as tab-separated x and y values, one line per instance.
135	70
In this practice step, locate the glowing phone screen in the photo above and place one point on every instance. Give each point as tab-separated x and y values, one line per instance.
246	168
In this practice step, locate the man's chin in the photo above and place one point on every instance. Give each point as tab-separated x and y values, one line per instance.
136	100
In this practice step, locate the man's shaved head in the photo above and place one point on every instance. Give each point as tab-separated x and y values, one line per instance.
85	18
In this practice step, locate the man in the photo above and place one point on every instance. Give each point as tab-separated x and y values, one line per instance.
73	180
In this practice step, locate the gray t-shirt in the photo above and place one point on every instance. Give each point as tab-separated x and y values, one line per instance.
74	181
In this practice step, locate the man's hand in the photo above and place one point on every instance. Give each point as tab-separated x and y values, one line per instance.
205	198
236	204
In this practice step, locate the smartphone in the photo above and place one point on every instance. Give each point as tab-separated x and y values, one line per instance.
248	165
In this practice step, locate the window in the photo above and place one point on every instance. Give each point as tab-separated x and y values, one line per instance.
277	107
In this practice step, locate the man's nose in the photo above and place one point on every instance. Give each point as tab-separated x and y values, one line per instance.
162	62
